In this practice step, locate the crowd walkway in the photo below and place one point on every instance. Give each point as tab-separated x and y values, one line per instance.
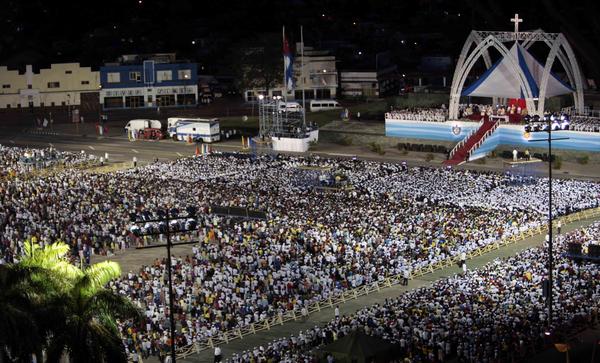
132	260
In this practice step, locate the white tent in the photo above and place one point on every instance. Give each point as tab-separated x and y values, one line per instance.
501	80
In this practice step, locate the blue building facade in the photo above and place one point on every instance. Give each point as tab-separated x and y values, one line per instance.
149	84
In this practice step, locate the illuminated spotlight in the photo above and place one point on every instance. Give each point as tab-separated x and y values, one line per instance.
261	97
193	42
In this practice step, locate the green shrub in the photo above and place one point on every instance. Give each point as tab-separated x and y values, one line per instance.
376	148
583	160
557	163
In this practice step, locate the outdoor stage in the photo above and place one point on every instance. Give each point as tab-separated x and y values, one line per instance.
505	135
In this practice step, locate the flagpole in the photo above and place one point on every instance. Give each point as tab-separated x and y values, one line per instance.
283	115
303	80
284	75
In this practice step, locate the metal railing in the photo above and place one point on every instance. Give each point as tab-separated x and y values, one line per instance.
352	294
464	140
487	134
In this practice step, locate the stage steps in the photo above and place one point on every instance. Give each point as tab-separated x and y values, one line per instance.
461	152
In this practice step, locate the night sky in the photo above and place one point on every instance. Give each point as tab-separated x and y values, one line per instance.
42	32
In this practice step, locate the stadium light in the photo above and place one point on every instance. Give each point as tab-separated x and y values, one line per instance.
168	222
549	239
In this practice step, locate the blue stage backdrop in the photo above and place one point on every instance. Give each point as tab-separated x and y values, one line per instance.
508	135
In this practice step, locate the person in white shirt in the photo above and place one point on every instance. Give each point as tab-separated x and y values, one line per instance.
218	354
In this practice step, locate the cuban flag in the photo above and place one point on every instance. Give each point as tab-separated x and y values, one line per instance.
288	65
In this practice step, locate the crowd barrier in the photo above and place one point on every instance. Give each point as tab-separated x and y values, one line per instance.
293	315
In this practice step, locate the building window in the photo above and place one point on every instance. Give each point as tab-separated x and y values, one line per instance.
164	76
68	72
113	77
134	101
184	74
277	93
113	102
53	84
85	82
165	100
6	86
8	105
52	104
135	76
28	86
63	103
41	104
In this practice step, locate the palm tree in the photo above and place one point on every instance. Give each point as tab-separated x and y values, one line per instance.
19	334
88	328
79	315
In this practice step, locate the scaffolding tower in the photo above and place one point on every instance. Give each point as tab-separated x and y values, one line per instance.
276	120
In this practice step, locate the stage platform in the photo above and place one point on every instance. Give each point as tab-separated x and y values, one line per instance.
513	136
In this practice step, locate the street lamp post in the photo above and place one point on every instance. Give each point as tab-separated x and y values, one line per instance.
165	222
549	282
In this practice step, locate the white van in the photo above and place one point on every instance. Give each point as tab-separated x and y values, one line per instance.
323	105
289	107
141	124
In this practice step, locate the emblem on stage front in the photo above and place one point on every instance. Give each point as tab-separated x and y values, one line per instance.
456	130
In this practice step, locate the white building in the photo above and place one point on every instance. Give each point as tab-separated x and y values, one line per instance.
369	83
318	79
63	84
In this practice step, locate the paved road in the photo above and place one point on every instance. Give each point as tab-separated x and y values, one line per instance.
119	148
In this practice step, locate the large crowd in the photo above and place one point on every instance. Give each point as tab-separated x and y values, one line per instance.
15	161
419	114
310	247
585	123
494	314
